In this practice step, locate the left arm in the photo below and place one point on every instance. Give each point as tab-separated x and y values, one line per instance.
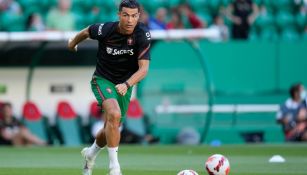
252	17
135	78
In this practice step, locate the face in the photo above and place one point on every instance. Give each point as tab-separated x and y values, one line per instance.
128	19
64	5
7	111
161	14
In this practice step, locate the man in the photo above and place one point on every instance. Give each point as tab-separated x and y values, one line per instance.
122	61
291	113
13	132
62	11
242	13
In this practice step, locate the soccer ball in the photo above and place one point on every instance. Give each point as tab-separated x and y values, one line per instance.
187	172
217	164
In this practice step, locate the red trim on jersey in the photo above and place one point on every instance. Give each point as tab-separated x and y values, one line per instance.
99	91
144	51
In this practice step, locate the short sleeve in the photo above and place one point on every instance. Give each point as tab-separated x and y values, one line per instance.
96	31
144	45
279	114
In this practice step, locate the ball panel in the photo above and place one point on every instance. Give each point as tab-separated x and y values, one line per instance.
217	164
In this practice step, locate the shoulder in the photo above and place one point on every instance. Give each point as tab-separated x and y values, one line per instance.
103	26
142	27
110	24
100	30
143	32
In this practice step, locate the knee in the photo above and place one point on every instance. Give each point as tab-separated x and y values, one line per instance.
114	116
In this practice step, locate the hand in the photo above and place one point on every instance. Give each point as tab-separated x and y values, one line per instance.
250	20
237	20
121	89
71	46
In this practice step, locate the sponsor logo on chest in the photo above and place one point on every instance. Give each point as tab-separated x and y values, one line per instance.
112	51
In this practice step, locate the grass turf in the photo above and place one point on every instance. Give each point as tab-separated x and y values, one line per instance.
156	160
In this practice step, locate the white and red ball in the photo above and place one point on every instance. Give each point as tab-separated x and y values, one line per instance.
187	172
217	164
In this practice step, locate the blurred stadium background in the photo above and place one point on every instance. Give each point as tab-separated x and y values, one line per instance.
228	92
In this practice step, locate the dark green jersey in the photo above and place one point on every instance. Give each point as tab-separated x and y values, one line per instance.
118	54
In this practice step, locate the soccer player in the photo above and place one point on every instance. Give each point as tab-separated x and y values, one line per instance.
122	61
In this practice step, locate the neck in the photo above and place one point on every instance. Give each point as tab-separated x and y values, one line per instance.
297	99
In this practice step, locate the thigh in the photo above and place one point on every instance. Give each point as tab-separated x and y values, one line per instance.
123	102
110	105
103	89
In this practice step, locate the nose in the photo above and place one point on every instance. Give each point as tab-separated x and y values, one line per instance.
129	19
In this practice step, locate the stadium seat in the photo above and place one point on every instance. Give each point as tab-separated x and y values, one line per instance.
290	34
264	123
35	121
258	2
69	124
269	34
80	19
225	3
106	5
222	120
260	120
84	5
28	3
1	104
214	5
223	135
134	120
301	21
284	19
284	5
269	4
153	5
95	113
12	22
173	3
264	21
207	18
200	5
105	16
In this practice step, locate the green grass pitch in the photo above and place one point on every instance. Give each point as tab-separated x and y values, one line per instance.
156	160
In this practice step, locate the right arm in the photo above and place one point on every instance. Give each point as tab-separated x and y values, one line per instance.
230	16
81	36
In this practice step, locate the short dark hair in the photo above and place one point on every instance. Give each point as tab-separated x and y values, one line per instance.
6	104
294	89
129	4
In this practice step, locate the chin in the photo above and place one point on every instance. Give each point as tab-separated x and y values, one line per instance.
130	30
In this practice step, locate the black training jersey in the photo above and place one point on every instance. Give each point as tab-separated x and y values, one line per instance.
118	54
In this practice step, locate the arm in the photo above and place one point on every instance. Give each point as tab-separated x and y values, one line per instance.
252	17
81	36
231	17
135	78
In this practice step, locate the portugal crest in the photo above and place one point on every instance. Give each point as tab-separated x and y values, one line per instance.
130	41
109	90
